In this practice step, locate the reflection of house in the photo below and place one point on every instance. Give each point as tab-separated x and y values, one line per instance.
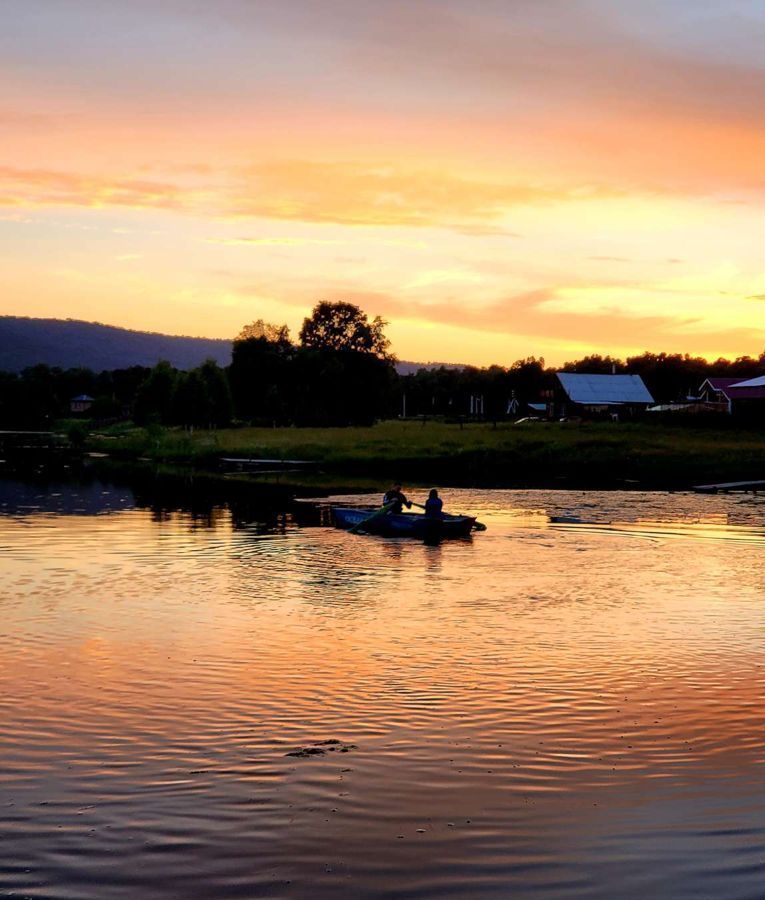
733	395
81	404
617	396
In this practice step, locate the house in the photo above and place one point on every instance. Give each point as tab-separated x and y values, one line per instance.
614	396
734	396
715	392
81	404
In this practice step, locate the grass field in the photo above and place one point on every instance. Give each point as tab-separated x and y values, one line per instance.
533	454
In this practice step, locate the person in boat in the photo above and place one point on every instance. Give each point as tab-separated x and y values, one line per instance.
434	505
397	498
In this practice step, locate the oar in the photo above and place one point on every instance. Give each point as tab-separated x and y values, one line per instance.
477	526
380	512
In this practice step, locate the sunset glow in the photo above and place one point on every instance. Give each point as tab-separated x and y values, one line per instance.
496	178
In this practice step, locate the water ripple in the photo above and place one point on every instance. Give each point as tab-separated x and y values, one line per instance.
568	705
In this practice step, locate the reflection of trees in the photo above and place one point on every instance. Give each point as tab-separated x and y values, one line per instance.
201	502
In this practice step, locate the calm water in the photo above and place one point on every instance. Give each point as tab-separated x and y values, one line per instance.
552	709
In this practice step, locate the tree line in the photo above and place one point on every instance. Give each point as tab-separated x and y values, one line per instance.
339	371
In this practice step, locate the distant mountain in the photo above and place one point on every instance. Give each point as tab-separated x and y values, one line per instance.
70	344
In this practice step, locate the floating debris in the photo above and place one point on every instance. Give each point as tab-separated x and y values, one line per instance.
319	748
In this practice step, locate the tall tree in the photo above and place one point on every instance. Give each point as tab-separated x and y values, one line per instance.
154	397
260	372
221	407
267	331
191	402
343	326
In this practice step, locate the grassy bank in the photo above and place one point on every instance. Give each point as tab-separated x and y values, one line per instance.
535	454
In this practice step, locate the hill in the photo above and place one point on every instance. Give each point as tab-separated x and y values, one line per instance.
69	343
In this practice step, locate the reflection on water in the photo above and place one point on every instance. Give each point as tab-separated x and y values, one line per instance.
565	708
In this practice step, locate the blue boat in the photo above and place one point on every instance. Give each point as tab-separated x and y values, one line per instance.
402	524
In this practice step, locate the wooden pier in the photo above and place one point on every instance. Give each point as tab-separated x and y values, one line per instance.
268	466
22	442
727	487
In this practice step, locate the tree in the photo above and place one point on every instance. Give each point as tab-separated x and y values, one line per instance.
266	331
191	402
344	327
259	376
221	407
336	387
154	397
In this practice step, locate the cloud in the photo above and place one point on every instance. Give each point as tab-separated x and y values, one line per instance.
347	193
354	193
272	242
431	277
42	187
536	317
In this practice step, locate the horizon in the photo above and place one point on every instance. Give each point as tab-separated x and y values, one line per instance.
496	180
425	363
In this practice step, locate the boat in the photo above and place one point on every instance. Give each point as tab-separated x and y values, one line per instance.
402	524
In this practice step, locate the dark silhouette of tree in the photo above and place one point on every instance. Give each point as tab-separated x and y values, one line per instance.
191	402
215	381
596	365
42	394
345	327
154	397
341	387
260	373
261	330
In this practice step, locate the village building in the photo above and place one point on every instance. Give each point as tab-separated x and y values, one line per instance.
599	396
734	396
81	404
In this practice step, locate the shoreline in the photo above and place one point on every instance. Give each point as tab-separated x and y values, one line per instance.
541	456
575	456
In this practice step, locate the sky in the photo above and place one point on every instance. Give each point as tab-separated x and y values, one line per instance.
495	178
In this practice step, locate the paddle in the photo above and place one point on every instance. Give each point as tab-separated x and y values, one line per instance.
380	512
477	526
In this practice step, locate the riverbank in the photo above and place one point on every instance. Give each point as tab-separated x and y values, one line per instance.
577	455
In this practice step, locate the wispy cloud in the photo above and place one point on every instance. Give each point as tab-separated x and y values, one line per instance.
354	193
347	193
273	242
41	187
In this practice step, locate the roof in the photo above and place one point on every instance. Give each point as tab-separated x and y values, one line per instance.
82	398
604	390
751	382
719	384
733	389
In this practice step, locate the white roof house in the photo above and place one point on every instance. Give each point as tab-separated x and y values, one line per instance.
605	390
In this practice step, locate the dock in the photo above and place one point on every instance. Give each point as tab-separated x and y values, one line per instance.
20	442
726	487
268	466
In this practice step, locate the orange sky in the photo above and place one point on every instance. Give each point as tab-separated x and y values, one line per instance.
497	178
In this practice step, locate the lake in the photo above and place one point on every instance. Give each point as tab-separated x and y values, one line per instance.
223	702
